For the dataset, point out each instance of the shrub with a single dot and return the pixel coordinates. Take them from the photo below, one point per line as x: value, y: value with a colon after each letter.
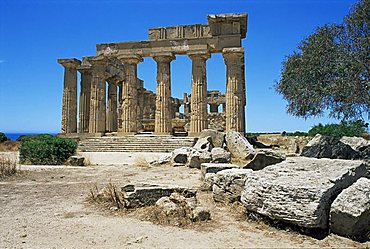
x: 46, y: 149
x: 351, y: 129
x: 24, y: 138
x: 297, y: 134
x: 3, y: 138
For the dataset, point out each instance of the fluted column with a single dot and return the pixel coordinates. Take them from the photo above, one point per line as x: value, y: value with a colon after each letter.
x: 163, y: 118
x: 199, y: 117
x: 69, y: 105
x: 98, y: 98
x: 119, y: 117
x: 112, y: 107
x: 235, y: 100
x: 129, y: 96
x: 85, y: 93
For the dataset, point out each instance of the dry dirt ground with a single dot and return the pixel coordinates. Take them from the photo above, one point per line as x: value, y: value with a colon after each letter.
x: 46, y: 207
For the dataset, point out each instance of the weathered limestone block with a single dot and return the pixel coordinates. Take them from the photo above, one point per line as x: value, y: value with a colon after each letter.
x: 208, y: 181
x: 300, y: 190
x: 215, y: 167
x: 355, y: 142
x: 218, y: 137
x: 328, y: 147
x: 228, y: 184
x: 264, y: 158
x: 161, y: 161
x: 180, y: 155
x: 220, y: 155
x: 350, y: 212
x: 201, y: 214
x: 197, y: 157
x: 76, y: 161
x: 141, y: 195
x: 204, y: 144
x: 239, y: 146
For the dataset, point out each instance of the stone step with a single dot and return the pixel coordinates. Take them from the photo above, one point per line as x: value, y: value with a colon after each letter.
x: 134, y: 144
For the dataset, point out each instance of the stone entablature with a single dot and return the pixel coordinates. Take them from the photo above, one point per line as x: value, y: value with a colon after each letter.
x: 123, y: 106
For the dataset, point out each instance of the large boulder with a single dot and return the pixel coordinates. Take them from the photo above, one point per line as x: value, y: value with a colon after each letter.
x: 350, y: 212
x: 204, y: 144
x: 229, y: 184
x: 239, y: 147
x: 180, y: 155
x: 355, y: 142
x: 300, y: 190
x: 220, y: 155
x: 264, y: 158
x: 218, y: 137
x: 197, y: 157
x: 328, y: 147
x: 215, y: 167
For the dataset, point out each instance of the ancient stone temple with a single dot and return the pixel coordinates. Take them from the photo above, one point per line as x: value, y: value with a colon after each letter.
x: 113, y: 100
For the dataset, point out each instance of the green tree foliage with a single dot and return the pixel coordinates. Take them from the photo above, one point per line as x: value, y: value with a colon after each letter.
x: 350, y: 129
x: 331, y: 70
x: 46, y: 149
x: 3, y: 138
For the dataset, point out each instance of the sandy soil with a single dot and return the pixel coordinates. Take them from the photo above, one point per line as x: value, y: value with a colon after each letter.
x: 46, y: 207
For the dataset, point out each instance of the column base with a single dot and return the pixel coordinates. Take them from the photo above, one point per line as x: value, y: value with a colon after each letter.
x: 122, y: 134
x: 194, y: 134
x: 162, y: 133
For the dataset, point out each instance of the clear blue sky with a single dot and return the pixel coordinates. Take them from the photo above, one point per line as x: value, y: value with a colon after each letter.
x: 34, y: 33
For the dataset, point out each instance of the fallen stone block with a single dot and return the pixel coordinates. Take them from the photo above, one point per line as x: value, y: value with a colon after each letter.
x: 180, y: 155
x: 350, y: 211
x: 239, y: 146
x: 228, y: 184
x: 215, y: 167
x: 196, y: 158
x: 300, y: 190
x: 208, y: 182
x: 141, y: 195
x: 355, y: 142
x: 218, y: 137
x: 264, y: 158
x: 204, y: 144
x: 329, y: 147
x: 220, y: 155
x: 76, y: 161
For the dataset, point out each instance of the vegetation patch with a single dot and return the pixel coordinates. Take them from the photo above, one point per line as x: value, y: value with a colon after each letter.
x: 46, y: 149
x: 350, y: 129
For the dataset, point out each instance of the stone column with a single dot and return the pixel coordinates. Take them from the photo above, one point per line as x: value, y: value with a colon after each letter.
x: 69, y: 105
x: 199, y: 117
x: 85, y: 93
x: 186, y: 105
x: 112, y: 121
x: 163, y: 117
x: 234, y: 89
x: 98, y: 98
x: 129, y: 95
x: 119, y: 118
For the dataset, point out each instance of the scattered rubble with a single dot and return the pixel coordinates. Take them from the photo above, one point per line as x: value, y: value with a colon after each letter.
x: 76, y: 161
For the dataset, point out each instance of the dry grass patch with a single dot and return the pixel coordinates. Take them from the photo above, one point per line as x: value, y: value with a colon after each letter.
x: 8, y: 167
x: 10, y: 146
x: 109, y: 196
x: 141, y: 163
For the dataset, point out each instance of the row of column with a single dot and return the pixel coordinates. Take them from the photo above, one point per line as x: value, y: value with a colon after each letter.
x: 93, y: 112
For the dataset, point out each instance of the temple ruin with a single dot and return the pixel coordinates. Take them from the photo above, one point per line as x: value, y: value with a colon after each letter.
x: 113, y: 100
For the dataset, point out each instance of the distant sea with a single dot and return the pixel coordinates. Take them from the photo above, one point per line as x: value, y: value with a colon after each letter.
x: 14, y: 136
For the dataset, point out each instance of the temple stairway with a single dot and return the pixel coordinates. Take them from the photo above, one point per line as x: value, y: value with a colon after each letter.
x: 137, y: 143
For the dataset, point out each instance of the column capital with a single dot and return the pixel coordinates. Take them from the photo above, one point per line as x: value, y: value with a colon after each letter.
x: 233, y: 53
x: 85, y: 69
x: 163, y: 57
x: 199, y: 55
x: 130, y: 59
x: 69, y: 62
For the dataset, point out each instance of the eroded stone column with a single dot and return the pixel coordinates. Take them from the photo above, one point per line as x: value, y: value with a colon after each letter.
x: 69, y: 102
x: 129, y: 95
x: 112, y: 121
x: 97, y: 122
x: 163, y: 117
x: 235, y: 96
x: 199, y: 117
x: 85, y: 93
